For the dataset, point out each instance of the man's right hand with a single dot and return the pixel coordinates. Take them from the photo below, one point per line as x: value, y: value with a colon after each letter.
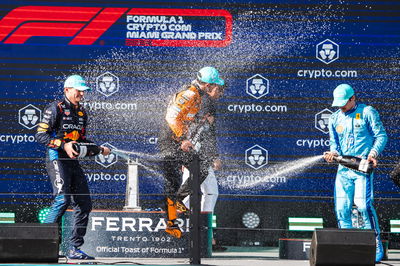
x: 70, y: 150
x: 217, y: 165
x: 328, y: 156
x: 186, y: 145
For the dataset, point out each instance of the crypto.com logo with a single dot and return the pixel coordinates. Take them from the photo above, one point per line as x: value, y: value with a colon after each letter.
x: 256, y: 157
x: 257, y: 86
x: 108, y: 160
x: 327, y: 51
x: 322, y: 120
x: 107, y: 84
x: 29, y: 116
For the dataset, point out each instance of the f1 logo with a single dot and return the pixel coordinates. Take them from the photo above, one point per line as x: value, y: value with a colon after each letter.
x: 85, y: 24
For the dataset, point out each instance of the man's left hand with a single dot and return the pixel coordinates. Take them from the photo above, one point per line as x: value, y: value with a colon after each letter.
x: 106, y: 151
x: 373, y: 160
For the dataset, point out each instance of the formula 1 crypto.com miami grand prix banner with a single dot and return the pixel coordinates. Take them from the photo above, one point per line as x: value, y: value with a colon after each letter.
x: 144, y: 26
x: 281, y: 60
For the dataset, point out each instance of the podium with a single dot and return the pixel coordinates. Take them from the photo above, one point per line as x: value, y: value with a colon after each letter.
x: 294, y: 249
x: 136, y: 234
x: 299, y: 249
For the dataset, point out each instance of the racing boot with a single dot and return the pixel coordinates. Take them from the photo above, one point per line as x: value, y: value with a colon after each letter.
x: 379, y: 249
x: 172, y: 225
x: 173, y: 229
x: 171, y: 209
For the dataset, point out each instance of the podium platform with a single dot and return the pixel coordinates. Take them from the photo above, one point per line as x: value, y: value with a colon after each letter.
x: 299, y: 248
x: 136, y: 234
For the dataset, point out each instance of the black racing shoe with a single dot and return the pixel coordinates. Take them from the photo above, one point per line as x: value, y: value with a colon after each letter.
x: 76, y: 254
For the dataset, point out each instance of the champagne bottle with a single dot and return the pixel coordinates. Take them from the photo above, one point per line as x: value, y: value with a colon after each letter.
x: 355, y: 163
x: 86, y: 149
x: 395, y: 175
x: 195, y: 138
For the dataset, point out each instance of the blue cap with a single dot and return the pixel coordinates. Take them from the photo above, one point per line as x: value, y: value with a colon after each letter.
x: 342, y: 94
x: 210, y: 75
x: 76, y: 82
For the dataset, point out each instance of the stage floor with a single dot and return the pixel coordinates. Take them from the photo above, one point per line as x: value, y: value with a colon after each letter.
x: 233, y: 256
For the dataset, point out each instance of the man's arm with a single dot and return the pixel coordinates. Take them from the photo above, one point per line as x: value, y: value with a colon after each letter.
x: 46, y: 130
x: 333, y: 140
x: 378, y: 132
x: 177, y: 111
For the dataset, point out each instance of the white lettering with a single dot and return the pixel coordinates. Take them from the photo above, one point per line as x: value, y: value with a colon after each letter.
x: 250, y: 179
x: 96, y: 221
x: 306, y: 245
x: 110, y: 106
x: 128, y: 222
x: 316, y: 73
x: 161, y: 225
x: 142, y: 35
x: 93, y: 177
x: 112, y: 224
x: 178, y: 35
x: 151, y: 19
x: 246, y: 108
x: 313, y: 143
x: 145, y: 223
x: 71, y: 126
x: 124, y: 224
x: 17, y: 138
x: 210, y: 35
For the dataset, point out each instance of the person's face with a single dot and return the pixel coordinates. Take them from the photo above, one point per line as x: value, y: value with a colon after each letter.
x: 215, y: 91
x: 73, y: 95
x: 349, y: 105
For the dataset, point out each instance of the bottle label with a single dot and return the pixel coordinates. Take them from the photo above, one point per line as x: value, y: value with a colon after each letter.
x: 82, y: 151
x: 197, y: 146
x: 363, y: 167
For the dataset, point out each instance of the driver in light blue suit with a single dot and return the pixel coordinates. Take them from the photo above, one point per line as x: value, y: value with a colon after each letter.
x: 356, y: 130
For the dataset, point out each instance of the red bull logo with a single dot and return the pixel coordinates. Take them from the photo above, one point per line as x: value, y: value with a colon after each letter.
x: 74, y: 135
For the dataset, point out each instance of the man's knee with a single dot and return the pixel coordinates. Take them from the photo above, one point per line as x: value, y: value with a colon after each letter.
x: 87, y: 207
x: 342, y: 213
x: 84, y: 204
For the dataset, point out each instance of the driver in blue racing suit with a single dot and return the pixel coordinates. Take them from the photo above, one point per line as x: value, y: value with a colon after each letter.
x: 356, y: 130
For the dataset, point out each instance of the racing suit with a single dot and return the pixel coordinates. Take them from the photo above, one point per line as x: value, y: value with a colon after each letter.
x: 358, y: 132
x: 208, y: 151
x: 63, y: 122
x: 181, y: 112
